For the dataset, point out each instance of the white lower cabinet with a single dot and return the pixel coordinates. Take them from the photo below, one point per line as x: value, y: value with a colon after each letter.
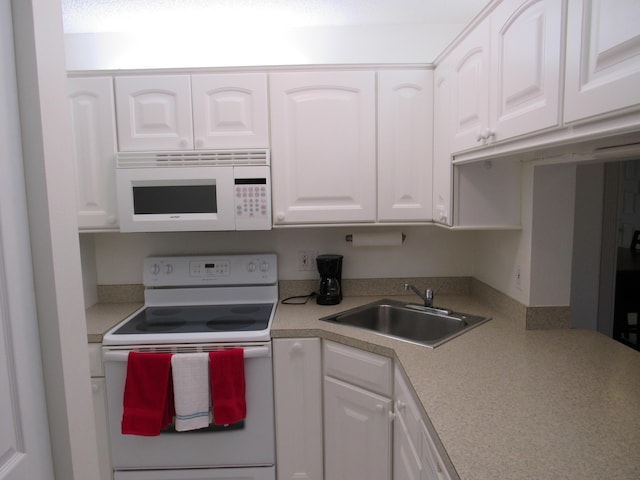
x: 99, y: 396
x: 357, y: 420
x: 415, y: 455
x: 297, y: 376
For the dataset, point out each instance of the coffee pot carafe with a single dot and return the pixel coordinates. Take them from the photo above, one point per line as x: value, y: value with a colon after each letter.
x: 330, y: 270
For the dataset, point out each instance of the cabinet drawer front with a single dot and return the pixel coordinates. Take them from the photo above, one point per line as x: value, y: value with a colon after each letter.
x: 364, y: 369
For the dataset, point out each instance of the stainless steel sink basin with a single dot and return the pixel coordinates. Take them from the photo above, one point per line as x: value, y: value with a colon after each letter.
x: 409, y: 322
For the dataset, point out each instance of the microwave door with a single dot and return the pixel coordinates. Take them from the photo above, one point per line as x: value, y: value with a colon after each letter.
x: 176, y: 199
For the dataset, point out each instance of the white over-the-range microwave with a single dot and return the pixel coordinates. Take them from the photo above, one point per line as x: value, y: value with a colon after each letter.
x: 194, y: 191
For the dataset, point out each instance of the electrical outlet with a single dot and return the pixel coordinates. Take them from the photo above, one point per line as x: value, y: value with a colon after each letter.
x: 307, y: 260
x: 518, y: 278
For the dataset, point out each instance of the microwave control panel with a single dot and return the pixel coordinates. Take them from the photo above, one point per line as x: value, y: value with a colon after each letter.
x: 252, y: 195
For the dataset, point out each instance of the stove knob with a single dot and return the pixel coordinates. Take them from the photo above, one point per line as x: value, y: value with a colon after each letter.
x: 155, y: 269
x: 264, y: 266
x: 168, y: 268
x: 251, y: 267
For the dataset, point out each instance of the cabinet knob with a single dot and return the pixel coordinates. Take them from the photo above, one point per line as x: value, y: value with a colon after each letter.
x: 111, y: 219
x: 184, y: 143
x: 480, y: 137
x: 280, y: 216
x: 296, y: 348
x: 94, y: 387
x: 199, y: 142
x: 400, y: 405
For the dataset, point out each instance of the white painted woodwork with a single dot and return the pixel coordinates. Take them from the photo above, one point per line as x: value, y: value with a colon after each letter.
x: 357, y: 432
x: 297, y: 376
x: 323, y: 146
x: 526, y: 46
x: 415, y: 454
x: 470, y: 97
x: 488, y: 194
x: 100, y: 416
x: 434, y: 467
x: 230, y: 111
x: 25, y: 450
x: 154, y: 112
x: 442, y: 128
x: 603, y: 58
x: 406, y: 460
x: 358, y: 367
x: 405, y: 145
x: 94, y: 142
x: 507, y: 74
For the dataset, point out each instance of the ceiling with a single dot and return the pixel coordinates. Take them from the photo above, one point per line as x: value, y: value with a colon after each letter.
x: 92, y: 16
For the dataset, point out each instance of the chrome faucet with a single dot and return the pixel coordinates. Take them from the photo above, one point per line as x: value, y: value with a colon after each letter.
x: 427, y: 296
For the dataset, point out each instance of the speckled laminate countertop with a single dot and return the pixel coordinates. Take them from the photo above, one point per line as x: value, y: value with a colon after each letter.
x: 507, y: 403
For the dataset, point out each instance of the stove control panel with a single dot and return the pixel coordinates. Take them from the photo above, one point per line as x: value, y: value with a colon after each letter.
x: 246, y: 269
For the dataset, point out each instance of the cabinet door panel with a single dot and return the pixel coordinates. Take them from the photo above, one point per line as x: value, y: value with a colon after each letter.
x: 442, y: 129
x: 297, y: 375
x: 154, y: 113
x: 405, y: 139
x: 357, y: 433
x: 470, y: 101
x: 94, y: 141
x: 525, y: 73
x: 230, y: 111
x: 603, y: 57
x: 323, y: 146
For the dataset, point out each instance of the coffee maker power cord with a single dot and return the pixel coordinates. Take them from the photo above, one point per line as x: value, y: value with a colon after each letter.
x: 296, y: 299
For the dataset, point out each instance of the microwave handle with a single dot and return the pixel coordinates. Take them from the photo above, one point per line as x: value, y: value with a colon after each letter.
x: 123, y: 355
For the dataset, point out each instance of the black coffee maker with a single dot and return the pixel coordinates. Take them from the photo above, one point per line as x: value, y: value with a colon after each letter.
x: 330, y: 270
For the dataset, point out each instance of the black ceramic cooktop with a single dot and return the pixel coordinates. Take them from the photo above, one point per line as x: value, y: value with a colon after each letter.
x: 198, y: 318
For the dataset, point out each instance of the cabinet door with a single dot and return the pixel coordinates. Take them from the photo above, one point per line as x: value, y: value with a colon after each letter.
x: 94, y: 142
x: 442, y: 130
x: 470, y: 97
x: 526, y: 42
x: 323, y: 147
x: 230, y: 111
x: 100, y: 415
x: 357, y: 433
x: 297, y: 376
x: 406, y: 462
x: 405, y: 145
x: 603, y: 57
x: 154, y: 113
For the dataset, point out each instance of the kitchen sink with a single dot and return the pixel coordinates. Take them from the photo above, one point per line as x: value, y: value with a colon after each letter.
x: 407, y: 321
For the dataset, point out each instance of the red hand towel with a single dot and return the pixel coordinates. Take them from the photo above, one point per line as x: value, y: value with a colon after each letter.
x: 226, y: 369
x: 147, y: 399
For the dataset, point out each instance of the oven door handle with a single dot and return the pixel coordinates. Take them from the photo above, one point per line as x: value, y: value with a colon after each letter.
x: 123, y: 355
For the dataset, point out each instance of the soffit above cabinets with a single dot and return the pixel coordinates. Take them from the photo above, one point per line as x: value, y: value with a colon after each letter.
x: 92, y: 16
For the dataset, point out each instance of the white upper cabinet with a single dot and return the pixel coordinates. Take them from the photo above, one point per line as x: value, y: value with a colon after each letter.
x: 154, y: 113
x: 323, y: 145
x: 470, y: 95
x: 525, y: 67
x: 507, y: 74
x: 94, y: 142
x: 603, y: 58
x: 405, y: 141
x: 442, y: 167
x: 230, y: 111
x: 183, y: 112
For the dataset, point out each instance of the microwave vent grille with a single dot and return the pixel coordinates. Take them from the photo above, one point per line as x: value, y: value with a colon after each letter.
x: 194, y: 158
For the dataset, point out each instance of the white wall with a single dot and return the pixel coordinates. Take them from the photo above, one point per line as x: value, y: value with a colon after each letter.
x: 416, y: 43
x: 587, y: 244
x: 552, y: 234
x: 427, y: 251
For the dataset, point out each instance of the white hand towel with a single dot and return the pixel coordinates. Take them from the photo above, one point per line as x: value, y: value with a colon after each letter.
x: 191, y: 390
